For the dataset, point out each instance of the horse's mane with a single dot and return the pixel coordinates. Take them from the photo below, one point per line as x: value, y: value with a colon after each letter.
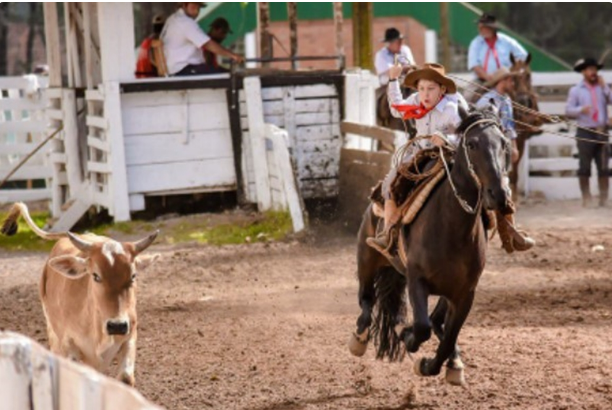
x: 477, y: 114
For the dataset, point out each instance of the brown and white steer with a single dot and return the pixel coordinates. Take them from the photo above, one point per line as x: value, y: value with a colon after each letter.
x: 88, y: 294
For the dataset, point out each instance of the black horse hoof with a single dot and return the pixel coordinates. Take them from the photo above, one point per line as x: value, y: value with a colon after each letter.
x: 422, y: 367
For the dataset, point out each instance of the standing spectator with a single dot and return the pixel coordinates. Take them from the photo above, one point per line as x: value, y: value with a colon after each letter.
x: 491, y: 50
x: 385, y: 57
x: 587, y: 102
x: 183, y: 41
x: 219, y: 29
x: 145, y: 67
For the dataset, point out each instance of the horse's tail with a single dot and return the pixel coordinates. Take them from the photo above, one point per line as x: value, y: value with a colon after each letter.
x: 390, y: 311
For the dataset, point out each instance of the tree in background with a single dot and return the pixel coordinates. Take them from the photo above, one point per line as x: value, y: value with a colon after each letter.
x: 568, y: 30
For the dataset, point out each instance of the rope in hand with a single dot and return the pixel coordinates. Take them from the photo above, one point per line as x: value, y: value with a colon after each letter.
x: 554, y: 119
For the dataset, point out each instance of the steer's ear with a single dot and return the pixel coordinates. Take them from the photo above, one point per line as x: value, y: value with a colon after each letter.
x: 144, y: 261
x: 70, y: 266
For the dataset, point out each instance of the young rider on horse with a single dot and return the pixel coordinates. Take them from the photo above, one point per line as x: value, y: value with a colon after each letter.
x: 435, y: 108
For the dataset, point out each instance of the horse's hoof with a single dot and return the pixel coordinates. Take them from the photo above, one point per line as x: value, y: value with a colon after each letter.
x: 358, y: 344
x: 417, y: 366
x: 455, y: 377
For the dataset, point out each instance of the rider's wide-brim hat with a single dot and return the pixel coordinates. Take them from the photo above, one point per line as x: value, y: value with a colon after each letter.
x: 432, y: 72
x: 498, y: 76
x: 587, y: 62
x: 392, y: 34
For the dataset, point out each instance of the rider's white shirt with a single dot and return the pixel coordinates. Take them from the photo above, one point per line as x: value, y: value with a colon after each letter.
x: 443, y: 118
x: 385, y: 59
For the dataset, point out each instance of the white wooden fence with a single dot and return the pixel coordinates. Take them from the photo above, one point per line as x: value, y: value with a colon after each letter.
x: 550, y: 164
x: 32, y: 378
x: 22, y: 128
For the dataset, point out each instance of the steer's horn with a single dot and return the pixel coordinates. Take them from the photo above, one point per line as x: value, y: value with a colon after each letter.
x: 81, y: 244
x: 143, y: 244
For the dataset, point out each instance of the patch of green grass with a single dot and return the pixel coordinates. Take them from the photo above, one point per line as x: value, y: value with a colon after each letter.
x: 268, y: 226
x: 25, y: 239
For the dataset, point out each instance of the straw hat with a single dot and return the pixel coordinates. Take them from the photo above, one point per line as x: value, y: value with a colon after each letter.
x: 498, y: 76
x: 432, y: 72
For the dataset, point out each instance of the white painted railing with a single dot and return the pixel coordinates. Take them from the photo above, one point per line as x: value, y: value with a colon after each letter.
x: 22, y: 128
x: 32, y: 378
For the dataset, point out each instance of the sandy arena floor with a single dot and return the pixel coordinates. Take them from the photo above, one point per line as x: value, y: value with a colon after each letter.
x: 265, y: 326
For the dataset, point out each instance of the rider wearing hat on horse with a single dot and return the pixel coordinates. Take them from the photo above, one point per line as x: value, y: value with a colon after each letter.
x: 491, y: 50
x: 435, y: 109
x: 386, y: 56
x: 500, y: 84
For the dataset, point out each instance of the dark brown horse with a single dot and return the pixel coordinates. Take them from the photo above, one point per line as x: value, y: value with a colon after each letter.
x: 445, y: 247
x: 524, y: 95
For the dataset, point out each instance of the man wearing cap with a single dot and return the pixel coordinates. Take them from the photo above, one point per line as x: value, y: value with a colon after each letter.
x: 491, y: 50
x: 144, y: 63
x: 587, y: 102
x: 385, y: 57
x: 219, y: 29
x: 183, y: 41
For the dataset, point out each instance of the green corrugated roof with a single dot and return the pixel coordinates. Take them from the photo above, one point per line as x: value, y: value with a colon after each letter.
x: 242, y: 18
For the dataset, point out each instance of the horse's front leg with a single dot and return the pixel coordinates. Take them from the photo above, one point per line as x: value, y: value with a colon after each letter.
x: 454, y: 370
x: 455, y: 318
x: 420, y: 331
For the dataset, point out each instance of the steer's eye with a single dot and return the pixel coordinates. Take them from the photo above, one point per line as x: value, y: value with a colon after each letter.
x: 97, y: 278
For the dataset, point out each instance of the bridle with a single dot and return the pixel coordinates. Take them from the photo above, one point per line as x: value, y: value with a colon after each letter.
x: 464, y: 204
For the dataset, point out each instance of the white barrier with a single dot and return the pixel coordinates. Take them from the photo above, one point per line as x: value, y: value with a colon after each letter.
x: 32, y: 378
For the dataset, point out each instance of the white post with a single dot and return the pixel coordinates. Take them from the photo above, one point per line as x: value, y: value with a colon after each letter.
x: 252, y: 89
x: 52, y: 37
x: 431, y: 46
x: 118, y: 185
x: 116, y: 25
x: 250, y: 48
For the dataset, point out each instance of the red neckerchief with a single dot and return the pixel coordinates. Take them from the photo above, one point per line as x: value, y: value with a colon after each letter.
x: 491, y: 49
x: 415, y: 111
x: 593, y: 90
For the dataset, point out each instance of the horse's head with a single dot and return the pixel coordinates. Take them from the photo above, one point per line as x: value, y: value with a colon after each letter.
x: 524, y: 95
x: 483, y: 150
x: 522, y: 72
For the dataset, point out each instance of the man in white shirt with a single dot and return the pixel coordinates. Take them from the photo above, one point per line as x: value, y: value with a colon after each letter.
x: 183, y: 40
x: 385, y: 57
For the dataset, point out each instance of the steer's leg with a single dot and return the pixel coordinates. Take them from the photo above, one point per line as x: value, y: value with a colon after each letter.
x: 126, y: 357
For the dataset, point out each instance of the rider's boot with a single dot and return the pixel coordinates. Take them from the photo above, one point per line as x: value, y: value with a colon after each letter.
x: 382, y: 241
x: 512, y: 240
x: 604, y: 183
x: 586, y: 191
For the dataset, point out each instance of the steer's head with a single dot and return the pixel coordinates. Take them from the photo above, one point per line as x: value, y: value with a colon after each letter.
x: 112, y: 268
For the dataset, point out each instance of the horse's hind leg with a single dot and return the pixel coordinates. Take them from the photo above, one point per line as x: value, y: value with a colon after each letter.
x: 454, y: 370
x: 455, y: 318
x: 420, y: 331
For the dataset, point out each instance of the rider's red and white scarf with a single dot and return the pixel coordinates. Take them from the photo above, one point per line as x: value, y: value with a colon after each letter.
x: 415, y: 111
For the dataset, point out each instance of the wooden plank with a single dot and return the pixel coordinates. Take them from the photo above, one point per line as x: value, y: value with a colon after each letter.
x: 290, y: 121
x: 164, y: 120
x: 318, y: 132
x: 267, y: 94
x: 99, y: 167
x: 97, y: 122
x: 7, y: 83
x: 25, y: 104
x: 371, y: 131
x: 94, y: 95
x: 97, y: 143
x: 175, y: 97
x: 181, y: 175
x: 163, y: 148
x: 315, y: 91
x: 19, y: 149
x: 71, y: 140
x: 54, y: 114
x: 137, y: 202
x: 252, y: 86
x: 24, y: 195
x: 53, y: 93
x: 23, y: 127
x: 319, y: 188
x: 52, y: 40
x: 360, y: 171
x: 116, y: 34
x: 28, y: 172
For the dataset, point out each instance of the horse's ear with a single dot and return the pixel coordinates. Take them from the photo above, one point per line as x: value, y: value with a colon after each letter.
x: 463, y: 112
x: 512, y: 60
x: 528, y: 59
x: 492, y: 107
x: 492, y: 102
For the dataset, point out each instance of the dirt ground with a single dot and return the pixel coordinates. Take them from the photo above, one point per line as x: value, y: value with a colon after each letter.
x: 265, y: 326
